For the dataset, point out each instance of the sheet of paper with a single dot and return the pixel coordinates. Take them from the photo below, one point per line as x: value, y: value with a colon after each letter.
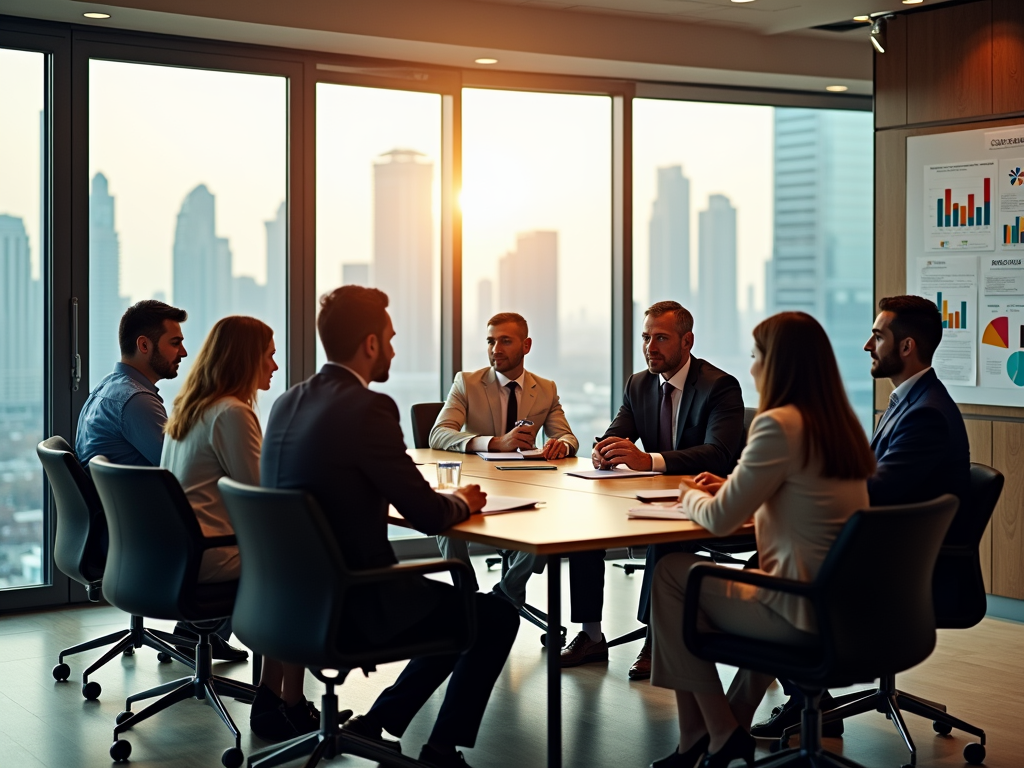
x: 1010, y: 192
x: 498, y: 504
x: 669, y: 495
x: 959, y: 214
x: 952, y: 283
x: 658, y: 512
x: 501, y: 456
x: 1003, y: 275
x: 611, y: 474
x: 1002, y: 343
x: 535, y: 453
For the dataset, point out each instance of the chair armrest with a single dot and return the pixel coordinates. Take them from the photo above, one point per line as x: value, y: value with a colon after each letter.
x: 212, y: 542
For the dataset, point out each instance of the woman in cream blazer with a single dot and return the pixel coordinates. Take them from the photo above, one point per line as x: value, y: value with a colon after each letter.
x: 801, y: 476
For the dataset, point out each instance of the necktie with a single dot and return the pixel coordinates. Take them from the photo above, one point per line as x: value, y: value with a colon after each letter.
x: 894, y: 400
x: 512, y: 411
x: 665, y: 418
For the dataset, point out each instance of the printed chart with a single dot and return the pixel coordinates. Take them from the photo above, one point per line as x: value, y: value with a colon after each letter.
x: 1002, y: 344
x: 958, y: 202
x: 1011, y: 204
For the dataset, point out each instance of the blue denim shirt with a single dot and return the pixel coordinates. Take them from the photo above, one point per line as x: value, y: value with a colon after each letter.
x: 123, y: 419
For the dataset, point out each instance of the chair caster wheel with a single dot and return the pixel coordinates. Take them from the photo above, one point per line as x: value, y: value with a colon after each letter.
x: 129, y: 651
x: 232, y: 758
x: 120, y: 750
x: 974, y: 754
x: 122, y: 716
x: 784, y: 742
x: 544, y: 639
x: 163, y: 658
x: 91, y: 691
x: 943, y: 729
x: 61, y: 672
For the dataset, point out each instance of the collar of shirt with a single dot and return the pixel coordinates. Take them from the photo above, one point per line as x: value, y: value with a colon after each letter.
x: 904, y: 389
x: 136, y: 374
x: 679, y: 380
x: 504, y: 380
x: 361, y: 379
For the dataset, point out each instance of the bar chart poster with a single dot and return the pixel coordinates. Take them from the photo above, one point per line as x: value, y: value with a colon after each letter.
x: 959, y: 213
x: 1010, y: 195
x: 952, y: 283
x: 1002, y: 344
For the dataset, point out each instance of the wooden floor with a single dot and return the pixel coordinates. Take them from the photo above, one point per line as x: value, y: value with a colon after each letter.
x: 608, y: 721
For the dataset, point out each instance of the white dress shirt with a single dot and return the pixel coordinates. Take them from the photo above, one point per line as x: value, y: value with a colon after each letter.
x: 678, y: 381
x: 901, y: 393
x: 482, y: 442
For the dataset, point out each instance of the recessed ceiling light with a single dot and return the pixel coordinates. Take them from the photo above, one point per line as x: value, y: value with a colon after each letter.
x: 486, y: 61
x: 743, y: 1
x: 96, y: 15
x: 862, y: 18
x: 912, y: 2
x: 836, y: 88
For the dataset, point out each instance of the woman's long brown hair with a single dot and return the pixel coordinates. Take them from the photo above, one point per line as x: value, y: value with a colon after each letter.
x: 800, y: 370
x: 229, y: 363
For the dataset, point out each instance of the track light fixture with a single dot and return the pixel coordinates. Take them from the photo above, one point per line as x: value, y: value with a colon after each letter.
x: 878, y: 29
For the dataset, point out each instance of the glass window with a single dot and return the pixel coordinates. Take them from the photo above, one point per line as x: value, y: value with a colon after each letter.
x: 742, y: 211
x: 188, y: 183
x: 22, y: 246
x: 378, y: 214
x: 536, y: 238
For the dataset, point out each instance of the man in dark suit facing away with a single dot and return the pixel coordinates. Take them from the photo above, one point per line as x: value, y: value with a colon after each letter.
x: 689, y: 415
x: 920, y: 442
x: 339, y: 440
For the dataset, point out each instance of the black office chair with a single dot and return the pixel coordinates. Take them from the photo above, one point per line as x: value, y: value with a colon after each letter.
x: 423, y: 417
x: 156, y: 547
x: 960, y: 603
x: 297, y: 613
x: 878, y: 572
x: 80, y: 551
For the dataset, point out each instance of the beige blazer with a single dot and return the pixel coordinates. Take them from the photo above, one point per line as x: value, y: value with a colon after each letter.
x: 474, y: 408
x: 797, y: 512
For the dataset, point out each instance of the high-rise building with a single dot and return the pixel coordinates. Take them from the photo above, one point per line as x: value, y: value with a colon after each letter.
x: 717, y: 319
x: 250, y: 298
x: 669, y: 229
x: 203, y: 284
x: 276, y: 291
x: 403, y: 254
x: 357, y: 273
x: 822, y: 256
x: 484, y: 305
x: 528, y: 284
x: 21, y: 321
x: 106, y: 302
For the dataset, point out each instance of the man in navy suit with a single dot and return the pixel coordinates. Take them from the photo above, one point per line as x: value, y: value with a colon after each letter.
x: 920, y: 442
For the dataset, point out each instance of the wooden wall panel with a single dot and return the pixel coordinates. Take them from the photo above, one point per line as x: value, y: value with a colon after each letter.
x: 1007, y: 538
x: 951, y: 51
x: 891, y: 76
x: 979, y: 433
x: 1007, y: 56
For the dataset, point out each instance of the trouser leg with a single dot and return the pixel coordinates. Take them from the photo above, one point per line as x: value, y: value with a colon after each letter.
x: 520, y: 569
x: 586, y: 586
x: 457, y: 549
x: 654, y: 554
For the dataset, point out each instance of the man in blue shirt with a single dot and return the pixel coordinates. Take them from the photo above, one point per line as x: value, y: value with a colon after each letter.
x: 124, y: 416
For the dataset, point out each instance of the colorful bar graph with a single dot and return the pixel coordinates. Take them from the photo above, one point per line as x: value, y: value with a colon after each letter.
x: 957, y: 319
x: 966, y: 213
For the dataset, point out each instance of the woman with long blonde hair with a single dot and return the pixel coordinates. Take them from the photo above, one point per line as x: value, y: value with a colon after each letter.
x: 212, y: 433
x: 802, y: 475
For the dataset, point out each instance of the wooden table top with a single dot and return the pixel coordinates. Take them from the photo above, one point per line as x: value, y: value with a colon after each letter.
x: 577, y: 515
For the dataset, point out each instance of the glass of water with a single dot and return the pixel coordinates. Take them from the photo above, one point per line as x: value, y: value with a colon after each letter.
x: 448, y: 474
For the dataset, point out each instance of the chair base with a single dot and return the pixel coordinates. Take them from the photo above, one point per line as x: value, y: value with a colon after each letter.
x: 892, y: 702
x: 810, y: 752
x: 819, y: 759
x: 330, y: 741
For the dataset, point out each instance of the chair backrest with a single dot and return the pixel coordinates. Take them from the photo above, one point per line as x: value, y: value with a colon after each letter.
x: 155, y: 539
x: 294, y: 584
x: 80, y: 547
x: 748, y: 419
x: 958, y: 586
x: 873, y: 594
x: 423, y: 417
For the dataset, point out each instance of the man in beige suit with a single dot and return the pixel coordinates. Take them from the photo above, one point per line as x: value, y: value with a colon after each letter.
x: 483, y: 413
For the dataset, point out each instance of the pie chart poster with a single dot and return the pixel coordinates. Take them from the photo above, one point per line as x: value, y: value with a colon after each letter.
x: 1002, y: 344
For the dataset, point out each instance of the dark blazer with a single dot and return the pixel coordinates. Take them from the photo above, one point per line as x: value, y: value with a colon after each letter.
x: 342, y: 442
x: 922, y: 452
x: 710, y: 432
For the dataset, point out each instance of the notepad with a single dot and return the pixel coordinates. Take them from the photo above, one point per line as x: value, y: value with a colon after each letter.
x: 649, y: 496
x: 536, y: 453
x: 611, y: 474
x: 658, y: 512
x: 497, y: 504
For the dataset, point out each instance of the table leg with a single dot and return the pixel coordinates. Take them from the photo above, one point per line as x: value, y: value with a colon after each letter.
x: 554, y: 645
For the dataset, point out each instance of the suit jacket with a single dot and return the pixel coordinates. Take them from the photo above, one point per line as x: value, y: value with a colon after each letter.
x: 474, y: 408
x: 342, y: 443
x: 922, y: 452
x: 709, y: 434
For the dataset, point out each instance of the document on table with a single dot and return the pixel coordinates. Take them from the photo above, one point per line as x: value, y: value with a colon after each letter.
x: 610, y: 474
x: 498, y: 504
x: 649, y: 496
x: 659, y: 512
x: 536, y: 453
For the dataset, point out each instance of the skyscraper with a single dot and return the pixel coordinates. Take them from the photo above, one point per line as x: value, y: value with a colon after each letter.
x: 106, y: 304
x: 21, y: 320
x: 276, y: 290
x: 403, y: 254
x: 202, y: 265
x: 717, y: 320
x: 528, y: 284
x: 484, y: 305
x: 822, y: 255
x: 669, y: 230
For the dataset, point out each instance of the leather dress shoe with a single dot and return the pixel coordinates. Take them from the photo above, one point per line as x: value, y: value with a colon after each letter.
x: 789, y: 714
x: 438, y: 759
x: 641, y: 669
x: 687, y: 759
x: 582, y: 650
x: 221, y: 651
x: 740, y: 746
x: 360, y: 726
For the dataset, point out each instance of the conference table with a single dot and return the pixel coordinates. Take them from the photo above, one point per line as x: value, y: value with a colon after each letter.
x: 574, y: 515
